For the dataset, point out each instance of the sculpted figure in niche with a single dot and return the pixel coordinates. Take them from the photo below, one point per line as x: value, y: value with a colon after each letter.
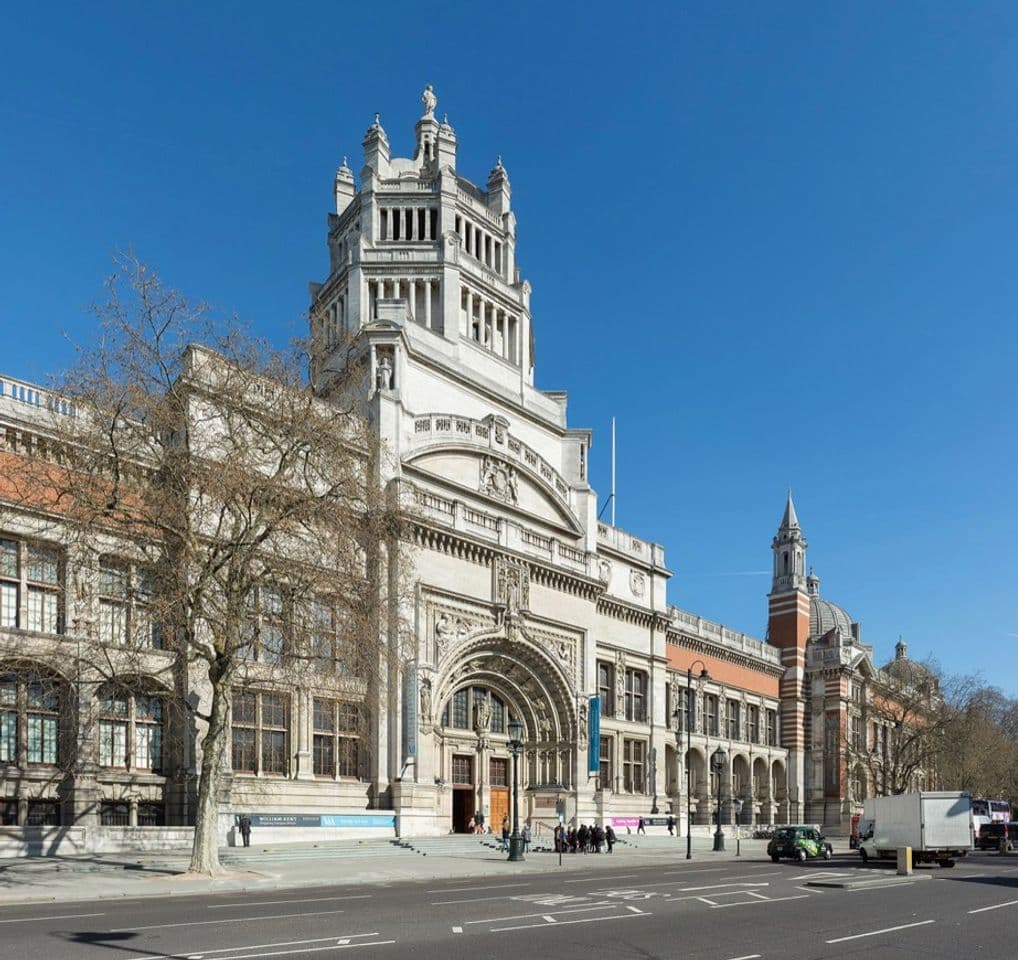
x: 444, y: 628
x: 543, y: 720
x: 426, y: 700
x: 384, y: 376
x: 583, y: 722
x: 482, y: 716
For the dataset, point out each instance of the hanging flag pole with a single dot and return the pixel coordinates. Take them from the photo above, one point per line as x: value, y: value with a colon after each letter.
x: 611, y: 496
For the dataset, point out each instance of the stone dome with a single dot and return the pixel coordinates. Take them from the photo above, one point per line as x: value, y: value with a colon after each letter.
x: 824, y: 616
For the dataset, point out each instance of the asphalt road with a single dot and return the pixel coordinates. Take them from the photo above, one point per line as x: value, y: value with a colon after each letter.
x: 742, y: 910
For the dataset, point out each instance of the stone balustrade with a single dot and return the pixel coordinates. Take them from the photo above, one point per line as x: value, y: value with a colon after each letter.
x: 692, y: 625
x: 22, y: 396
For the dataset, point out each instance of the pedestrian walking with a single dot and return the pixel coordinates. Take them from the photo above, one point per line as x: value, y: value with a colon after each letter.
x: 245, y: 829
x: 609, y: 837
x: 526, y: 838
x: 671, y: 825
x: 583, y: 837
x: 640, y: 827
x: 505, y: 834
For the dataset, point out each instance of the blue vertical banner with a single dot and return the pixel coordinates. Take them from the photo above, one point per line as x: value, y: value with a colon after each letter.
x: 410, y: 711
x: 594, y: 735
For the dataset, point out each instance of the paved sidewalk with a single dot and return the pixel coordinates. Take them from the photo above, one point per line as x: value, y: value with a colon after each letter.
x: 159, y: 875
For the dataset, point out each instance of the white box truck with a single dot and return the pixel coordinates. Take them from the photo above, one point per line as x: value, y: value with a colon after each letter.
x: 937, y: 825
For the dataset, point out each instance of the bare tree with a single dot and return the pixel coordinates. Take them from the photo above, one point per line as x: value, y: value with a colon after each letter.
x: 909, y: 713
x: 251, y: 504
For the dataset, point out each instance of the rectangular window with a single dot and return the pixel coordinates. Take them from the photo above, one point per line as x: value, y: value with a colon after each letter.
x: 606, y: 688
x: 753, y: 723
x: 634, y: 755
x: 636, y: 695
x: 114, y: 814
x: 858, y: 737
x: 336, y: 748
x: 711, y: 708
x: 43, y: 813
x: 125, y: 597
x: 733, y: 717
x: 31, y: 571
x: 463, y: 770
x: 606, y: 771
x: 8, y: 736
x: 461, y: 709
x: 244, y: 729
x: 274, y: 733
x: 498, y: 772
x: 772, y: 728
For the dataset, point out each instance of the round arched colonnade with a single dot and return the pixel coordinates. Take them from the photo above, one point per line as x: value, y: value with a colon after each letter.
x: 758, y: 780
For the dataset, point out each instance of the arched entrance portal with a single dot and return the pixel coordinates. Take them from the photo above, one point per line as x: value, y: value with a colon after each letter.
x: 483, y: 684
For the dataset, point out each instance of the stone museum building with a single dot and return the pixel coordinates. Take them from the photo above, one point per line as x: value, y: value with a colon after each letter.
x: 524, y: 604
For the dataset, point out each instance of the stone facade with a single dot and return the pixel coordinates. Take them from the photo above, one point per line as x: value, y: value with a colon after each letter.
x: 524, y: 605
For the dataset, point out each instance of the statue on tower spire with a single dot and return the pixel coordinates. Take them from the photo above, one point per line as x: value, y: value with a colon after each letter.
x: 430, y: 101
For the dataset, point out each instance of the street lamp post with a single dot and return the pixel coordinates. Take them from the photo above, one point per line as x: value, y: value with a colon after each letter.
x: 688, y: 723
x: 516, y: 748
x: 717, y: 761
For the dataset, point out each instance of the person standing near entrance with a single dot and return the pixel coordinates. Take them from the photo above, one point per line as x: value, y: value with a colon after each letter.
x: 245, y: 829
x: 505, y: 834
x: 526, y: 838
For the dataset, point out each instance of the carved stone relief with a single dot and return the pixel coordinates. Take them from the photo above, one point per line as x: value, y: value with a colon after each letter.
x: 637, y: 582
x: 499, y: 480
x: 512, y: 586
x: 604, y: 570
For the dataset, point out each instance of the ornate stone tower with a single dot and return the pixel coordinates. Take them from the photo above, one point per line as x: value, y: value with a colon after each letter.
x: 788, y: 629
x: 420, y: 245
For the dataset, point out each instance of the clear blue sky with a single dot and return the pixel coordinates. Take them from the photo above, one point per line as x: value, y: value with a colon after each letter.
x: 777, y: 241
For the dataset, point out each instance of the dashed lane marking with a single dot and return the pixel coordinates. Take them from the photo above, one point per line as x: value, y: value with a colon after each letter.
x: 618, y: 876
x: 996, y: 906
x: 874, y: 933
x: 63, y: 916
x: 748, y: 956
x: 457, y: 929
x: 200, y: 954
x: 272, y: 903
x: 203, y: 923
x: 497, y: 886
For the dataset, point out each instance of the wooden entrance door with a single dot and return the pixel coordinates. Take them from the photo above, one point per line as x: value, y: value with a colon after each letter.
x: 498, y: 777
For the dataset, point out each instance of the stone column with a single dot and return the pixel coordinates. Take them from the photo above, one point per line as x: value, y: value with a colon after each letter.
x: 427, y: 304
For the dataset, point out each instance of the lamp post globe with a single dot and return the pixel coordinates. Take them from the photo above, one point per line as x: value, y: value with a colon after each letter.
x: 717, y: 762
x: 515, y: 728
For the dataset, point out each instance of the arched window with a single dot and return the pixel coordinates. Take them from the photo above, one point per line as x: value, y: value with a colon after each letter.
x: 467, y: 705
x: 130, y: 730
x: 30, y: 711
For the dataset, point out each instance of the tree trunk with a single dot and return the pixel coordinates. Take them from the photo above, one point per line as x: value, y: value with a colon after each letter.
x: 205, y: 852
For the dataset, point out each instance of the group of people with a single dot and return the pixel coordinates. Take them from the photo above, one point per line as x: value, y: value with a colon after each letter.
x: 584, y: 839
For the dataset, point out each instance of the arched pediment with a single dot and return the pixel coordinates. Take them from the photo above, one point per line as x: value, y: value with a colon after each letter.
x: 495, y: 478
x: 437, y: 433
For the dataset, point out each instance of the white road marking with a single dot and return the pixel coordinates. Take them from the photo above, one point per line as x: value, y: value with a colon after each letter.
x: 204, y: 923
x: 634, y: 909
x: 749, y: 956
x: 64, y: 916
x: 272, y: 903
x: 559, y: 913
x: 563, y: 923
x: 251, y: 946
x: 457, y: 929
x: 549, y: 919
x: 874, y: 933
x: 442, y: 903
x: 756, y: 903
x: 891, y: 882
x: 497, y: 886
x: 618, y: 876
x: 996, y: 906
